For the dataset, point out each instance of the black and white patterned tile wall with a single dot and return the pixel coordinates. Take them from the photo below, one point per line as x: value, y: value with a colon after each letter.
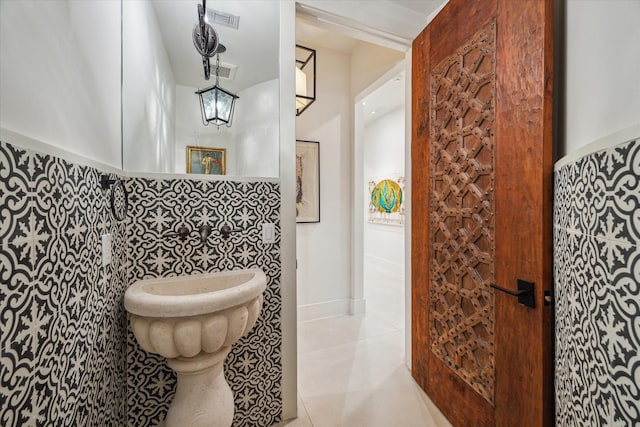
x: 67, y: 357
x: 597, y: 286
x: 63, y: 330
x: 158, y: 207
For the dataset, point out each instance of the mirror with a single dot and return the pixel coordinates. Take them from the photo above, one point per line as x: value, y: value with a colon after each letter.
x: 162, y: 70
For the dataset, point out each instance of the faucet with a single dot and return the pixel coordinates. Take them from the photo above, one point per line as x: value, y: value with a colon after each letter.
x: 182, y: 233
x: 205, y: 231
x: 225, y: 230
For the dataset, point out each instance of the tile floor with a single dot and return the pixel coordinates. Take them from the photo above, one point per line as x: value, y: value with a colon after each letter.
x: 351, y: 371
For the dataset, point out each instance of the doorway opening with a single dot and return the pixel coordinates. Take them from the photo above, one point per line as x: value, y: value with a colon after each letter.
x: 330, y: 252
x: 359, y: 111
x: 384, y: 194
x: 351, y: 280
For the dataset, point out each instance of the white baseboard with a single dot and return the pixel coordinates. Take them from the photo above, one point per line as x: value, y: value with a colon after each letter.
x: 323, y: 309
x: 357, y: 306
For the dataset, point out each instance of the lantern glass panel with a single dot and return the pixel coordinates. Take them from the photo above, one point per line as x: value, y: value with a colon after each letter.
x: 217, y: 104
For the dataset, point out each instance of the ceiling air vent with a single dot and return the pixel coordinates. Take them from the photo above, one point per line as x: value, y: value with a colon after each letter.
x: 222, y: 18
x: 227, y: 71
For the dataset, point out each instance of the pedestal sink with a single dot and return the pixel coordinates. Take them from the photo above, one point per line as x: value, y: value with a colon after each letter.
x: 193, y: 321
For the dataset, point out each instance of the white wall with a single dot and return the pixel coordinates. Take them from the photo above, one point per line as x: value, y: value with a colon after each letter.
x: 384, y: 157
x: 602, y: 80
x: 256, y: 127
x: 251, y: 141
x: 323, y: 249
x: 287, y: 161
x: 148, y: 107
x: 60, y: 75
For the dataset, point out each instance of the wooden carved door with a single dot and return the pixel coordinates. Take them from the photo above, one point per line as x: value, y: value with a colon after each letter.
x: 481, y: 211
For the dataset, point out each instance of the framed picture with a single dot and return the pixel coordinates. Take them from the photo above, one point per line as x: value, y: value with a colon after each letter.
x: 206, y: 160
x: 386, y: 200
x: 307, y: 181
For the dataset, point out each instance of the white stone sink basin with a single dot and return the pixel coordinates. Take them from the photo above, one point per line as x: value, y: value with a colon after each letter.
x: 193, y: 321
x: 183, y: 316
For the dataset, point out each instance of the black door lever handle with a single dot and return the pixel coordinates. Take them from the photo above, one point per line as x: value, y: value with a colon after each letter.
x: 524, y: 293
x: 508, y: 291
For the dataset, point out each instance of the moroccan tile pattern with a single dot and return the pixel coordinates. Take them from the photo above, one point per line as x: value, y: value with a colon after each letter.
x: 64, y: 340
x: 63, y: 333
x: 462, y: 209
x: 597, y: 288
x: 158, y: 207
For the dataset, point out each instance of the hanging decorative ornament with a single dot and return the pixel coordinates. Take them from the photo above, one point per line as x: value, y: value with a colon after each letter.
x: 205, y: 38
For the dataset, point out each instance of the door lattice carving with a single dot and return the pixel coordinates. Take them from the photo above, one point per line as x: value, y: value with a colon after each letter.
x: 461, y: 203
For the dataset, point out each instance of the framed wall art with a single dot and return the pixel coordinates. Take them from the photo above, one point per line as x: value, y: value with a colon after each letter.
x: 386, y: 200
x: 307, y: 181
x: 206, y: 160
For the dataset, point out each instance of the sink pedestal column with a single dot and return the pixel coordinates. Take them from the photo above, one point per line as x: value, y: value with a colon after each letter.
x: 203, y: 398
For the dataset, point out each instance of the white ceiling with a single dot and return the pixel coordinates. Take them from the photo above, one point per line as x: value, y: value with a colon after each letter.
x: 385, y: 99
x: 394, y: 22
x: 253, y: 47
x: 424, y: 7
x: 317, y: 36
